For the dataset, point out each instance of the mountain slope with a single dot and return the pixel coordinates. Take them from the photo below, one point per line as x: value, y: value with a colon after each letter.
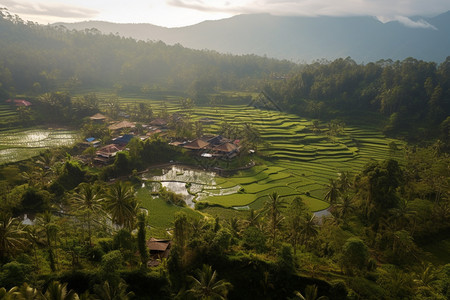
x: 299, y: 38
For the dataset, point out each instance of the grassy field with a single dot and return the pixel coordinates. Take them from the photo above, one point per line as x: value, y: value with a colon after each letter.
x: 296, y: 160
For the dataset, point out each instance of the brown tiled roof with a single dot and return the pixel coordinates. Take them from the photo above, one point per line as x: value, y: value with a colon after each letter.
x: 122, y: 124
x: 158, y: 122
x: 109, y: 150
x: 227, y: 147
x: 157, y: 245
x: 98, y: 116
x: 196, y: 144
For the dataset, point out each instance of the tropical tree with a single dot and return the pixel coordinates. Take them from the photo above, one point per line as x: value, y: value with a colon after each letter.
x: 50, y: 229
x: 58, y: 291
x: 344, y: 181
x: 332, y: 191
x: 106, y: 291
x: 309, y: 229
x: 26, y: 292
x: 344, y: 208
x: 121, y: 204
x: 272, y: 208
x: 309, y: 294
x: 8, y: 295
x: 88, y: 202
x: 294, y: 219
x: 206, y: 286
x: 12, y: 236
x: 142, y: 246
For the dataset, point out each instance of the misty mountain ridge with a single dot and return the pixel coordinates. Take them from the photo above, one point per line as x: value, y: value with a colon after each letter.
x: 300, y: 39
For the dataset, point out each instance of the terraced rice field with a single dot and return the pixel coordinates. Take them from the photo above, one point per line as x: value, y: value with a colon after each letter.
x: 299, y: 161
x: 19, y: 144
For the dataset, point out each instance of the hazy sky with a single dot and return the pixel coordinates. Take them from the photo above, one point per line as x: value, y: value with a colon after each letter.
x: 175, y: 13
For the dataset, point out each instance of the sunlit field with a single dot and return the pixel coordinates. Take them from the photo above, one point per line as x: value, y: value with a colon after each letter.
x: 296, y: 160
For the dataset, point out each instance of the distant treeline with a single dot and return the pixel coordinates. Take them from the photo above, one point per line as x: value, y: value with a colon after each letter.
x: 413, y: 95
x: 44, y: 58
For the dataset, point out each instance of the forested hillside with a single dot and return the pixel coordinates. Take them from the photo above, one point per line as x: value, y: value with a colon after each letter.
x: 43, y: 58
x: 410, y: 93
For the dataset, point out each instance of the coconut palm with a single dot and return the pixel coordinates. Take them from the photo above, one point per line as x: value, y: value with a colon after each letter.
x: 12, y: 236
x: 7, y: 295
x: 344, y: 208
x: 344, y: 181
x: 273, y: 207
x: 309, y: 228
x: 58, y: 291
x: 332, y: 191
x: 121, y: 204
x: 206, y: 285
x: 26, y: 292
x: 107, y: 291
x: 310, y: 294
x: 50, y: 230
x: 88, y: 201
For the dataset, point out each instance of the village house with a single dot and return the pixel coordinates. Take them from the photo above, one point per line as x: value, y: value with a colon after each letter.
x: 159, y: 249
x: 215, y: 146
x: 19, y: 102
x: 121, y: 125
x: 98, y: 118
x: 107, y: 153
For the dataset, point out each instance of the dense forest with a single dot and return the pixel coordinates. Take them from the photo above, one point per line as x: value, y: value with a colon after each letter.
x: 410, y: 93
x: 90, y: 233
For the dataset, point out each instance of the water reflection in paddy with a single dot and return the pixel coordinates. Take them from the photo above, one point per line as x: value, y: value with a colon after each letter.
x: 176, y: 178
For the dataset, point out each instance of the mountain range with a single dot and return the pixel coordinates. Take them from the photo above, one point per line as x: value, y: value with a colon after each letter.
x: 299, y: 39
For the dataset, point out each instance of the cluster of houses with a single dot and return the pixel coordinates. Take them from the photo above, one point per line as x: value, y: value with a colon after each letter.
x: 206, y: 146
x: 106, y: 154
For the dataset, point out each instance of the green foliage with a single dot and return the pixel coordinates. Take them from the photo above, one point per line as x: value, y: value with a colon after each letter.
x: 285, y: 258
x: 355, y: 255
x: 14, y: 274
x: 111, y: 264
x: 254, y: 238
x: 141, y: 239
x: 72, y: 175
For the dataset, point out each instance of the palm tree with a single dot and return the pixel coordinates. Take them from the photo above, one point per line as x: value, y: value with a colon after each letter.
x: 106, y: 291
x: 58, y: 291
x: 403, y: 215
x: 344, y: 181
x: 26, y: 292
x: 121, y: 204
x: 88, y: 201
x: 12, y: 236
x: 50, y: 229
x: 332, y: 191
x: 344, y: 208
x: 7, y: 295
x: 310, y: 294
x: 273, y: 208
x: 309, y: 228
x: 206, y: 286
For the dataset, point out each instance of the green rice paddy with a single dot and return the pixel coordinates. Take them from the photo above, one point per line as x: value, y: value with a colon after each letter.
x: 297, y: 161
x: 23, y: 143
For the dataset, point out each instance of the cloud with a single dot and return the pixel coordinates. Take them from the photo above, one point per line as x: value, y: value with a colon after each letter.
x: 52, y: 10
x: 414, y: 24
x: 399, y: 10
